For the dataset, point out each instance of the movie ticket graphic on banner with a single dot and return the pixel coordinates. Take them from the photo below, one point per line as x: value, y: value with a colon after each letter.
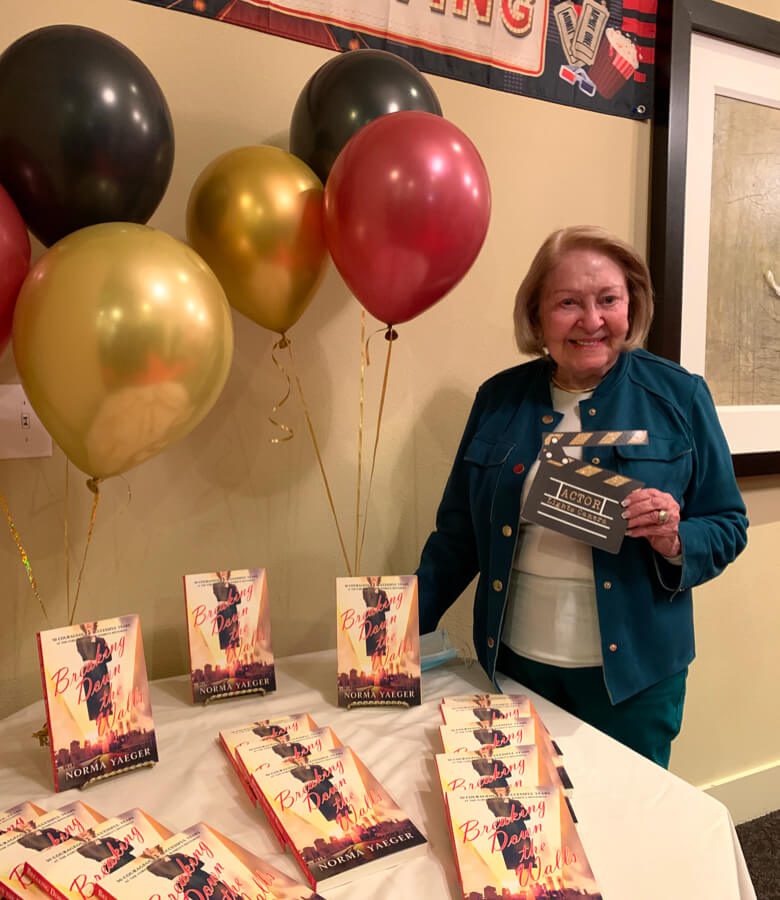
x: 594, y: 54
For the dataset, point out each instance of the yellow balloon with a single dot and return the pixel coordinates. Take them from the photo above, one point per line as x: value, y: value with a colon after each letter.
x: 255, y: 216
x: 123, y: 339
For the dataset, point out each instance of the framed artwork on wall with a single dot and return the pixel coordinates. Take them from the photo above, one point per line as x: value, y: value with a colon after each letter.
x: 715, y: 215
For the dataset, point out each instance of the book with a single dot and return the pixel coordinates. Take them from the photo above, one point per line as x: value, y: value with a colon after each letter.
x: 14, y: 817
x: 471, y: 737
x: 486, y: 709
x: 378, y: 641
x: 275, y: 752
x: 518, y: 843
x: 97, y: 700
x: 201, y: 863
x: 229, y: 634
x: 339, y: 820
x: 30, y: 837
x: 72, y: 869
x: 511, y: 767
x: 233, y: 738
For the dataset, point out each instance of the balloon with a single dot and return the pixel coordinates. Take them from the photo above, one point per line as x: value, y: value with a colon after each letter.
x: 347, y: 93
x: 255, y: 216
x: 14, y: 262
x: 407, y: 207
x: 85, y: 132
x: 123, y: 339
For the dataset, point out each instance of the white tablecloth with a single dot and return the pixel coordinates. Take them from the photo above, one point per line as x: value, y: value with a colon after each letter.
x: 647, y: 833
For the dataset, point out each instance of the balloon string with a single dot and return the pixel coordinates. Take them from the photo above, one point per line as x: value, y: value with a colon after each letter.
x: 313, y: 436
x: 288, y: 433
x: 390, y: 335
x: 22, y: 554
x: 67, y: 537
x: 94, y: 485
x: 363, y: 364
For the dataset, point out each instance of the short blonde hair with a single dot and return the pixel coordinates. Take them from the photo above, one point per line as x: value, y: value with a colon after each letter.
x: 528, y: 334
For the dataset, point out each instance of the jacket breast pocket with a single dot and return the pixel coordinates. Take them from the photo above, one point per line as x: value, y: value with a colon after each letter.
x: 665, y: 463
x: 484, y: 459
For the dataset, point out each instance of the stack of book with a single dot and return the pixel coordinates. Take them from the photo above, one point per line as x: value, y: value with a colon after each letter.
x: 76, y: 852
x: 508, y: 802
x: 324, y: 805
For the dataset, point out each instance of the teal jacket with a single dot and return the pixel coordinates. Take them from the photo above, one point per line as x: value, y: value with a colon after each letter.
x: 644, y: 602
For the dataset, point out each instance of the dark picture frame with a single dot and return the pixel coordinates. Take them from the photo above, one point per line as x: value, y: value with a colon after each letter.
x: 677, y: 21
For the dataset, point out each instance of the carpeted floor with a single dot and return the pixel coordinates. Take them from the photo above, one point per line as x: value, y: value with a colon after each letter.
x: 760, y: 841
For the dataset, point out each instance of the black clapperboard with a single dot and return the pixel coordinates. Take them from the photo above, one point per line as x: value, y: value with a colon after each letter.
x: 577, y: 498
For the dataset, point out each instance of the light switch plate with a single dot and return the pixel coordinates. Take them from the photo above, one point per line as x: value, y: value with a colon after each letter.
x: 21, y: 432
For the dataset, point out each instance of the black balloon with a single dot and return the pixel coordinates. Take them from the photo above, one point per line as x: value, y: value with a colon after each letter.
x: 347, y: 93
x: 85, y: 133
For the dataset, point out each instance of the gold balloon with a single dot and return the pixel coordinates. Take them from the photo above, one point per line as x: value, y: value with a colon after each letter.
x: 123, y: 339
x: 255, y: 216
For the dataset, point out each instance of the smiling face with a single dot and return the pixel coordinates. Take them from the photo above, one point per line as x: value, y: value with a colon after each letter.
x: 583, y: 314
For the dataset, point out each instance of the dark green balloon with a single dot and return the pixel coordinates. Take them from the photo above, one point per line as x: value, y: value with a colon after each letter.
x: 85, y: 133
x: 347, y: 93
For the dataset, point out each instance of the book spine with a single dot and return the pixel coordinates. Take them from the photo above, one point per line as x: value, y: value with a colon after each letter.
x: 103, y: 894
x: 43, y: 884
x: 7, y: 893
x: 189, y: 639
x: 48, y: 715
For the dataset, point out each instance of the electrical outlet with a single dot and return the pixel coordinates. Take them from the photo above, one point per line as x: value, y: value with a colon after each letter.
x: 21, y: 432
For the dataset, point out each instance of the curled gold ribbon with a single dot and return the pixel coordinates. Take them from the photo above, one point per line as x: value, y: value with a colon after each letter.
x: 94, y: 485
x: 22, y: 554
x: 317, y: 453
x: 282, y: 344
x: 391, y: 335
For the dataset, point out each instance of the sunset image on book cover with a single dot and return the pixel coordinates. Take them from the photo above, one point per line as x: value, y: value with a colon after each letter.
x: 97, y: 700
x: 229, y: 632
x: 378, y: 641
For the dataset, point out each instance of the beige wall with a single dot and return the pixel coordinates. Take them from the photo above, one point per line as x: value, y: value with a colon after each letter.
x: 225, y: 497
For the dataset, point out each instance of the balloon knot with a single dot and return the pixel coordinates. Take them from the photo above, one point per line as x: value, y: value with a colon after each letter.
x: 94, y: 485
x: 391, y: 334
x: 283, y: 342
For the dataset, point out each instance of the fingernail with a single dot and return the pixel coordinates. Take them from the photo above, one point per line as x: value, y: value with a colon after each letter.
x: 624, y: 502
x: 624, y: 515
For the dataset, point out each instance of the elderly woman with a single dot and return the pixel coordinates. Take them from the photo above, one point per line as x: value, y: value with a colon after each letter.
x: 608, y: 637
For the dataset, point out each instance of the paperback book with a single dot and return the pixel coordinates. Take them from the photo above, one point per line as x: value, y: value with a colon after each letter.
x: 339, y: 820
x: 486, y: 709
x: 229, y: 632
x: 201, y: 863
x: 519, y: 843
x: 378, y: 641
x: 71, y: 870
x: 30, y: 837
x: 511, y: 767
x: 255, y: 732
x: 97, y: 700
x: 471, y: 737
x: 12, y: 819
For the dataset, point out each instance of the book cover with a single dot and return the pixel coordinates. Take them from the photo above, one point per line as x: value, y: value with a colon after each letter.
x: 378, y: 641
x: 518, y: 843
x: 97, y: 700
x: 486, y: 709
x: 201, y: 863
x: 229, y: 633
x: 233, y: 738
x: 71, y: 870
x: 471, y: 737
x: 14, y: 817
x: 510, y: 767
x: 30, y: 837
x: 339, y: 820
x: 275, y: 752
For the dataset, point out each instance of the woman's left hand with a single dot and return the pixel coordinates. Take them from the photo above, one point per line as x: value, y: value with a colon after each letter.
x: 654, y: 515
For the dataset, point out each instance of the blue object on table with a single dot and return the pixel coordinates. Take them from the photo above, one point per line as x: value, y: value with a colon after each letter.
x: 436, y: 649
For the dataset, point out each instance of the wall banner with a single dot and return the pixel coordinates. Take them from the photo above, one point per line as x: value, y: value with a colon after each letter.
x: 595, y: 54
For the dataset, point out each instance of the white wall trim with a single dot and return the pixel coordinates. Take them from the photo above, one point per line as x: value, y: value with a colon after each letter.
x: 748, y: 794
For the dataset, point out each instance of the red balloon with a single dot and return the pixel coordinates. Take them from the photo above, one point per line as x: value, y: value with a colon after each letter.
x: 407, y: 206
x: 14, y: 262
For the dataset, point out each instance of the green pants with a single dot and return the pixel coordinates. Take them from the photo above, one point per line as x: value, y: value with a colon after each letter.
x: 648, y: 722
